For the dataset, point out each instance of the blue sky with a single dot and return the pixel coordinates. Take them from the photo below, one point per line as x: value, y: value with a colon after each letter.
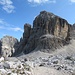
x: 15, y: 13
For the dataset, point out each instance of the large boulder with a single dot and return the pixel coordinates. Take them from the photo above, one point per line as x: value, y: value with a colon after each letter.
x: 8, y: 46
x: 49, y: 32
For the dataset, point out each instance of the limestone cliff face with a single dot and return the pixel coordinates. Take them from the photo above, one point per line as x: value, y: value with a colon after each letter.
x: 72, y: 32
x: 49, y: 32
x: 61, y: 28
x: 51, y: 24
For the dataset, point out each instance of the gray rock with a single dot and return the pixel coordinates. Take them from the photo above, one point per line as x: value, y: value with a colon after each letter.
x: 72, y: 32
x: 6, y: 66
x: 8, y: 46
x: 1, y: 66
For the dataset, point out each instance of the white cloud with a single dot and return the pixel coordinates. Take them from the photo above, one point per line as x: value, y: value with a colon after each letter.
x: 3, y: 23
x: 6, y: 26
x: 73, y: 1
x: 7, y: 5
x: 16, y: 29
x: 41, y: 1
x: 38, y: 1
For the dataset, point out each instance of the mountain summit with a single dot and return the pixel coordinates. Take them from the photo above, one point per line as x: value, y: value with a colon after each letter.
x: 49, y: 33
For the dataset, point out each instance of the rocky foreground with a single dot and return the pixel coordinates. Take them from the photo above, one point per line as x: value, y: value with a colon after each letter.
x: 60, y: 62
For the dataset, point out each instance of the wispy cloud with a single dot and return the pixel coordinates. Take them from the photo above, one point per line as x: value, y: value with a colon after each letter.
x: 16, y: 29
x: 41, y: 1
x: 73, y: 1
x: 7, y: 5
x: 1, y: 27
x: 6, y: 26
x: 3, y: 23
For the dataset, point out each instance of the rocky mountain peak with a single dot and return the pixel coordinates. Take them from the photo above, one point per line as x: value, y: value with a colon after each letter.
x: 46, y: 14
x: 49, y: 33
x: 51, y: 24
x: 27, y: 28
x: 45, y: 25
